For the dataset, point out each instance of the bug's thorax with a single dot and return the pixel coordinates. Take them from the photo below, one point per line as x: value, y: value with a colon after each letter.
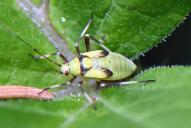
x: 74, y: 66
x: 79, y: 65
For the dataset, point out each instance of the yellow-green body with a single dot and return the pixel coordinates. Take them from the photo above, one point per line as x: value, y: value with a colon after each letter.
x: 98, y: 66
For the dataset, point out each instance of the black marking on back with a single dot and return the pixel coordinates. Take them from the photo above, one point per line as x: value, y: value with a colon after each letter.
x: 104, y: 53
x: 107, y: 71
x: 83, y: 69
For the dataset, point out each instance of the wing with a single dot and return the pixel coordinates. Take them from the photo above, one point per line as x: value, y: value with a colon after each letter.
x: 99, y: 73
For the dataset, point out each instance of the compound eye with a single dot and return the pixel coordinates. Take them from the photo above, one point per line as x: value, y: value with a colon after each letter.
x: 66, y: 73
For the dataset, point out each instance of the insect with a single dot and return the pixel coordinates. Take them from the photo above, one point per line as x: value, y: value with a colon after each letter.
x: 105, y: 66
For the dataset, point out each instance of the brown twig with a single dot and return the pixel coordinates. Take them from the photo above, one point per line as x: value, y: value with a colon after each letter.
x: 17, y: 92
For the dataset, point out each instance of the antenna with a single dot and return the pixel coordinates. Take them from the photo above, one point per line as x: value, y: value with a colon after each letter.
x: 11, y: 32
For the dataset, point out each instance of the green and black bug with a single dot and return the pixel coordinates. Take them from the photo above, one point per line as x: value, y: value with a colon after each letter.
x: 105, y: 66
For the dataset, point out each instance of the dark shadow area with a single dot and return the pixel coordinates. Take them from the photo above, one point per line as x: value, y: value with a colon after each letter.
x: 176, y: 50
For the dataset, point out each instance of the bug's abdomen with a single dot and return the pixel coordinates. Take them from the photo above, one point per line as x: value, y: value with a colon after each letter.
x: 120, y: 66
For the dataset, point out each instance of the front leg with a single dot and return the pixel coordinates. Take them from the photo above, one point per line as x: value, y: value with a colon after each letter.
x: 58, y: 53
x: 57, y: 85
x: 100, y: 43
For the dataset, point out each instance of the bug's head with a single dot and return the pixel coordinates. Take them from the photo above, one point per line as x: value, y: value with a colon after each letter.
x: 65, y: 69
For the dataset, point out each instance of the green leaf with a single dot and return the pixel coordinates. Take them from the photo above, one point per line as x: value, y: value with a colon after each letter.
x: 131, y: 27
x: 164, y: 103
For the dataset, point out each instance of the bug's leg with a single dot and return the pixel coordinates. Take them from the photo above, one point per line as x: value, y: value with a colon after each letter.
x: 87, y: 42
x: 57, y: 86
x: 53, y: 86
x: 61, y: 54
x: 58, y: 53
x: 44, y: 56
x: 85, y: 93
x: 100, y: 42
x: 82, y: 34
x: 89, y: 99
x: 98, y: 87
x: 124, y: 83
